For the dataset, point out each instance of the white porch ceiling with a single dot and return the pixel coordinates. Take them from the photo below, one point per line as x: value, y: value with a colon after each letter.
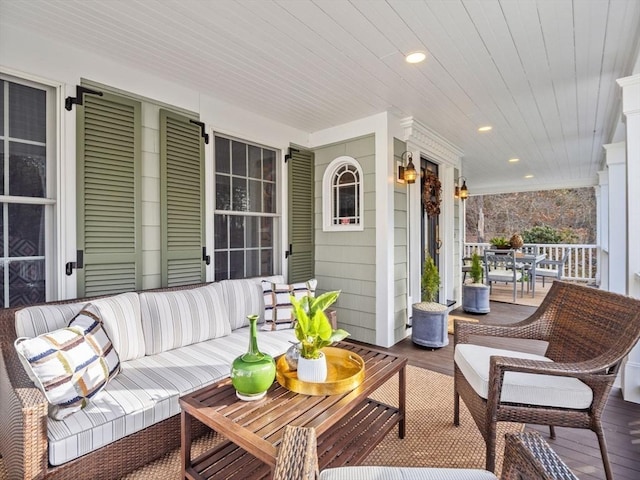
x: 542, y: 73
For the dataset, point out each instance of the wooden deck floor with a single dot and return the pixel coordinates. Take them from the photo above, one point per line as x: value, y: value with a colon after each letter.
x: 577, y: 447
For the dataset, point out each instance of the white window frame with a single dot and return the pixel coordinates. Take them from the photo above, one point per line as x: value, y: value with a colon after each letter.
x: 328, y: 185
x: 49, y: 202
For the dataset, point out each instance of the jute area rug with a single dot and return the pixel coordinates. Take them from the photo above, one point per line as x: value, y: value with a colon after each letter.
x: 431, y: 440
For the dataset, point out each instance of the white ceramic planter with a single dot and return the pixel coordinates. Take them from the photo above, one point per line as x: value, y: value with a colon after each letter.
x: 313, y: 370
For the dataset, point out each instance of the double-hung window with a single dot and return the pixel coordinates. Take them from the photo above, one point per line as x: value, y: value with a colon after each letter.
x: 246, y: 213
x: 26, y: 191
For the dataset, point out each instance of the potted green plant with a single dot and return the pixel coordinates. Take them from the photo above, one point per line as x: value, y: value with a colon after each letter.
x: 314, y: 332
x: 475, y: 296
x: 501, y: 243
x: 429, y: 319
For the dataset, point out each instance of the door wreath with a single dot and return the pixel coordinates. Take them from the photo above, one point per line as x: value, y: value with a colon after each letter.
x: 431, y: 189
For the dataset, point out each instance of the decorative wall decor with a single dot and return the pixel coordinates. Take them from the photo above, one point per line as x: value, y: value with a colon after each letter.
x: 431, y: 193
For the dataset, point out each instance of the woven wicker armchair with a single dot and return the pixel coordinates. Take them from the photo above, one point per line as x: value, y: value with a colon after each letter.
x: 589, y: 333
x: 527, y: 457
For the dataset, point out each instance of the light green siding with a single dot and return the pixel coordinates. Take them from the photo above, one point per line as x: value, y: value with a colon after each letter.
x: 346, y: 260
x: 400, y: 250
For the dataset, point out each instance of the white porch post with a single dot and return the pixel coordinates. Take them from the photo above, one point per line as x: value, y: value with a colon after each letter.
x: 631, y: 109
x: 617, y: 217
x: 602, y: 230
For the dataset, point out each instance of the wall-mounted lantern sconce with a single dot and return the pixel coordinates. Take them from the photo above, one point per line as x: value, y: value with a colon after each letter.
x: 407, y: 174
x: 461, y: 192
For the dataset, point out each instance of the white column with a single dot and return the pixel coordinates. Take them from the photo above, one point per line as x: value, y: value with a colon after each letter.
x: 631, y: 109
x: 616, y: 163
x: 602, y: 229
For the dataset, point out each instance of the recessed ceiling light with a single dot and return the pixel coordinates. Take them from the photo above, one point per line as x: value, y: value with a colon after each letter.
x: 415, y: 57
x: 486, y: 128
x: 528, y: 176
x: 514, y: 160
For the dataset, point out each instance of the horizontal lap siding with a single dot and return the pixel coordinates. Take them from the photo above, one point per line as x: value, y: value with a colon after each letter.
x: 346, y: 260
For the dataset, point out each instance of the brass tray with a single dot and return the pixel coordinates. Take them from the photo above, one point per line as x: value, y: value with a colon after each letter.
x: 345, y: 371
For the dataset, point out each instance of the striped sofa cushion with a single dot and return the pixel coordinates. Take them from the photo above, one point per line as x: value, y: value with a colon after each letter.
x: 243, y: 297
x: 70, y: 365
x: 121, y: 318
x: 405, y: 473
x: 147, y: 391
x: 33, y: 321
x: 175, y: 319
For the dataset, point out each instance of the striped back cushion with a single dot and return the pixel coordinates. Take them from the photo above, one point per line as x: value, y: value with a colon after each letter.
x: 70, y: 365
x: 36, y: 320
x: 121, y: 318
x: 278, y: 311
x: 174, y: 319
x: 243, y: 297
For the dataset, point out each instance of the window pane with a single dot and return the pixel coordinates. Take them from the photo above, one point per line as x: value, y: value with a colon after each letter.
x: 236, y: 231
x: 255, y: 162
x: 221, y: 237
x: 27, y: 170
x: 2, y: 168
x: 27, y: 113
x: 266, y: 261
x: 253, y: 263
x: 253, y: 232
x: 347, y: 206
x: 255, y: 196
x: 236, y: 264
x: 223, y: 192
x: 240, y: 201
x: 269, y: 200
x: 269, y: 165
x: 221, y: 266
x: 2, y: 116
x: 239, y: 159
x: 2, y: 252
x: 223, y: 155
x: 26, y: 230
x: 3, y: 282
x: 266, y: 232
x: 26, y: 282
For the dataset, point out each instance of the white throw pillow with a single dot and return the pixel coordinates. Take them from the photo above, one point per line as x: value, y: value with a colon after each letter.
x: 70, y: 365
x: 278, y: 311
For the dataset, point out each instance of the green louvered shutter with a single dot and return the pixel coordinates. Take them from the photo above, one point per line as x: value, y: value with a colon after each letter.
x: 301, y: 216
x: 181, y: 200
x: 108, y: 195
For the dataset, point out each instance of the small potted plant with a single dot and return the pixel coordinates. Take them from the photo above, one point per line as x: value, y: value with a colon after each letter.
x: 500, y: 243
x: 475, y: 296
x: 314, y: 332
x: 429, y: 320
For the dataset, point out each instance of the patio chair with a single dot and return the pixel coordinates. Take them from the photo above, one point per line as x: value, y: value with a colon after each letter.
x: 589, y: 333
x: 501, y: 266
x: 552, y: 268
x: 527, y: 457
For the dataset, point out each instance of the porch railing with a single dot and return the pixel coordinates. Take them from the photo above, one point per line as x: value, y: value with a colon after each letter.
x: 581, y: 265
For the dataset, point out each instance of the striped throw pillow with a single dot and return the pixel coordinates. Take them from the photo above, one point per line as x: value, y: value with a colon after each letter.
x: 70, y: 365
x: 278, y: 311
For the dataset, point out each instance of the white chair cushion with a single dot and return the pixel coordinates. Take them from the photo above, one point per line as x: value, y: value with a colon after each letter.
x: 147, y: 390
x: 525, y: 388
x: 404, y: 473
x: 243, y: 297
x: 500, y: 275
x: 175, y: 319
x: 547, y: 272
x: 121, y: 319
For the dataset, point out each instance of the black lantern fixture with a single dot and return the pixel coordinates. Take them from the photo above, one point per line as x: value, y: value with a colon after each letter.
x: 407, y: 174
x: 461, y: 192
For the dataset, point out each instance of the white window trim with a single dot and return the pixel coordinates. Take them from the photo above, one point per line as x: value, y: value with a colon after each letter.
x: 327, y: 196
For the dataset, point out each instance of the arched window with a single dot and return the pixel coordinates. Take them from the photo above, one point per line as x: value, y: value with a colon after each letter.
x: 343, y: 195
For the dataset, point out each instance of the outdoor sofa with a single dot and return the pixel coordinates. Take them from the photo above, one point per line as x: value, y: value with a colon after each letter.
x: 170, y: 342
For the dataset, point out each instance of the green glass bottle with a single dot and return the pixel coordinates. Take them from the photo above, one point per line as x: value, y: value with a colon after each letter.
x: 253, y: 372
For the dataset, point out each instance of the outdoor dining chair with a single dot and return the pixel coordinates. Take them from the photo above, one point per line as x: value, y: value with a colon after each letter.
x: 501, y: 266
x: 589, y: 333
x: 552, y: 268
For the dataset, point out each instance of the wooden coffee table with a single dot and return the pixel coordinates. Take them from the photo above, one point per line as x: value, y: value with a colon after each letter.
x: 348, y: 426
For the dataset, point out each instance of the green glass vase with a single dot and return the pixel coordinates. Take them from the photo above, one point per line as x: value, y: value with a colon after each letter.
x: 253, y: 372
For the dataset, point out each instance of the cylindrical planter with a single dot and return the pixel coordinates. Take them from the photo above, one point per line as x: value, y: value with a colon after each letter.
x: 475, y: 298
x: 253, y: 373
x: 429, y: 325
x: 312, y: 370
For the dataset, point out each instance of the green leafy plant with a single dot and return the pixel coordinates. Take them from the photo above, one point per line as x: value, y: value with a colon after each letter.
x: 313, y: 329
x: 476, y: 268
x: 499, y: 242
x: 430, y: 280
